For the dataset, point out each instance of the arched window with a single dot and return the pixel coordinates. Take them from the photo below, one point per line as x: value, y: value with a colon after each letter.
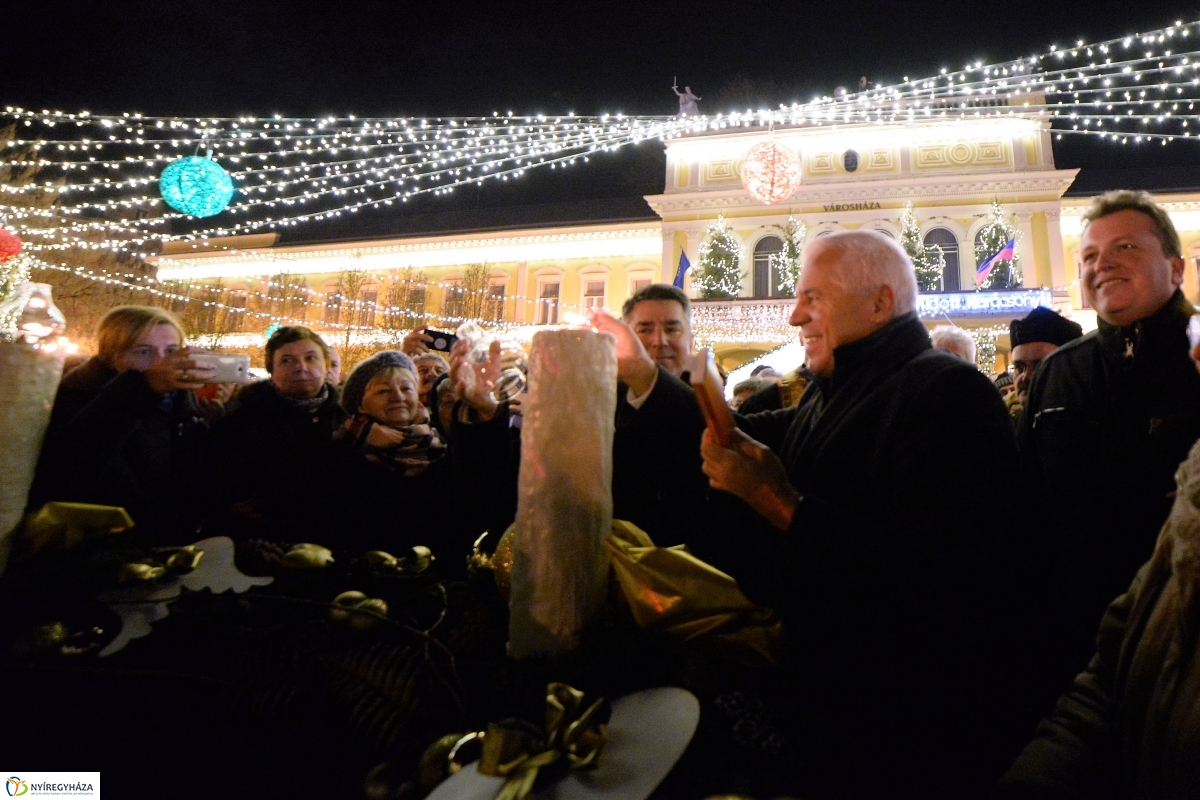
x: 765, y: 279
x: 947, y: 242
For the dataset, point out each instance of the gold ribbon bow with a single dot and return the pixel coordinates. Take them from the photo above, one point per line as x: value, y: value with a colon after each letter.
x: 516, y: 750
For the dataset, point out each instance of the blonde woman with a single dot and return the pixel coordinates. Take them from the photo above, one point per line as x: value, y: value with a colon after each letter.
x: 125, y: 429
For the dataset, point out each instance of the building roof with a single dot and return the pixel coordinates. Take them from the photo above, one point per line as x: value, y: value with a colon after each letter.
x: 544, y: 215
x: 1151, y: 179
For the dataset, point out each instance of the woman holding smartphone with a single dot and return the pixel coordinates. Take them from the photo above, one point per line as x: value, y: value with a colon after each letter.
x: 126, y: 429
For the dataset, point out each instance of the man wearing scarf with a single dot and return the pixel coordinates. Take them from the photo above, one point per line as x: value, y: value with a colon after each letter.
x: 273, y: 445
x: 875, y: 510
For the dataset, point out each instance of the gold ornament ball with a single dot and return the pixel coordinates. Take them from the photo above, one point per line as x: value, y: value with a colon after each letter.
x: 502, y: 563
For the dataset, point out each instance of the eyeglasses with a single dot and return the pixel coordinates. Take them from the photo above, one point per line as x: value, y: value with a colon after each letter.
x: 1017, y: 367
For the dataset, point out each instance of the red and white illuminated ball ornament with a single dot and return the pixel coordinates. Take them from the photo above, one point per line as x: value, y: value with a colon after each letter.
x: 771, y: 172
x: 10, y: 245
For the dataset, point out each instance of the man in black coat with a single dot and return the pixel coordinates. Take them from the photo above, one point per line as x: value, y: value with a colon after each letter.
x: 668, y: 497
x: 1111, y: 415
x: 1032, y: 338
x: 875, y: 503
x: 275, y: 443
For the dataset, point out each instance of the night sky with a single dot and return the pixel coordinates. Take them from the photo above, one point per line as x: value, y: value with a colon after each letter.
x: 392, y: 57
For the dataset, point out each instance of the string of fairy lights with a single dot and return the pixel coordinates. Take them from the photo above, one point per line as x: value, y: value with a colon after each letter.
x: 218, y: 298
x: 79, y: 181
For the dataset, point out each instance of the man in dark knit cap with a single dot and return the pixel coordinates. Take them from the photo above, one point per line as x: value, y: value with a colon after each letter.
x: 1039, y: 334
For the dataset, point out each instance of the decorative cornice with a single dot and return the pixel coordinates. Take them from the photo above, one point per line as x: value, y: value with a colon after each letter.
x: 1045, y: 182
x: 633, y: 232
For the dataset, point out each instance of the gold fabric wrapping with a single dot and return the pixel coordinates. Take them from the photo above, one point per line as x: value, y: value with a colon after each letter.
x: 670, y: 590
x: 67, y: 524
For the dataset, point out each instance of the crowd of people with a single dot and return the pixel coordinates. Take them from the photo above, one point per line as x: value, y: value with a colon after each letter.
x: 948, y: 553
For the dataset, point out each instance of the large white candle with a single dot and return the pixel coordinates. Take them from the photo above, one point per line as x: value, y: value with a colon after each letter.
x: 28, y: 380
x: 564, y: 506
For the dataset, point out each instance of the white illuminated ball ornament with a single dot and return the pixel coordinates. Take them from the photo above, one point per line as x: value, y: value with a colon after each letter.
x: 196, y: 185
x: 771, y: 172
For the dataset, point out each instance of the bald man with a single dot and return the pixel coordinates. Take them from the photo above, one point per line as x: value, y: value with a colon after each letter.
x: 893, y: 571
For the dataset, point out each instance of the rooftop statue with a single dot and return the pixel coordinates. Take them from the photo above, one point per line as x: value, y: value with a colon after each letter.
x: 687, y: 101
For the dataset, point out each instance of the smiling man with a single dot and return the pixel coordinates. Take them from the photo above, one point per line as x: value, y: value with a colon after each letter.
x: 1111, y: 415
x: 657, y: 482
x: 660, y: 316
x: 892, y: 583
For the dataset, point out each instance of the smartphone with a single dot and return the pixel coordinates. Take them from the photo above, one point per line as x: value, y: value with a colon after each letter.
x: 710, y: 394
x: 442, y: 341
x: 229, y: 368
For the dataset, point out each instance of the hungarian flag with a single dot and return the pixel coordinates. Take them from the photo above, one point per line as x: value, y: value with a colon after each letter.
x: 985, y: 268
x: 684, y: 266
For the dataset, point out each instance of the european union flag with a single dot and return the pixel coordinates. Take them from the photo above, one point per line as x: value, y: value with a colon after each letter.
x: 684, y: 266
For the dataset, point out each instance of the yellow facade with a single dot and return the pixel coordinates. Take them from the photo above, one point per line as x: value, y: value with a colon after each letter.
x: 853, y: 177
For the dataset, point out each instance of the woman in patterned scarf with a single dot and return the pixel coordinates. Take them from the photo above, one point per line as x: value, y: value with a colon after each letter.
x: 401, y: 483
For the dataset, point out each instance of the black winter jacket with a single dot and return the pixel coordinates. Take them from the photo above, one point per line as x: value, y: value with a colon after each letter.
x: 462, y: 494
x: 1129, y: 728
x: 1109, y: 418
x: 900, y: 580
x: 271, y: 464
x: 113, y: 441
x: 657, y: 481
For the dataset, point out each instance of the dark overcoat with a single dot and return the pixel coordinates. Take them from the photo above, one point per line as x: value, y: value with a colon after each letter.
x: 113, y: 441
x: 1109, y: 418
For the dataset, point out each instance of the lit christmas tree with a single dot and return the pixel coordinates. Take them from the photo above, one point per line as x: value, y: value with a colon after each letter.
x: 719, y: 271
x: 991, y: 240
x: 787, y: 261
x: 928, y: 265
x: 985, y: 350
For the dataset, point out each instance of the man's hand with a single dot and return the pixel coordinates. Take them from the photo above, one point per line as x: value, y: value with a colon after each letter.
x: 473, y: 382
x: 178, y: 371
x: 749, y: 470
x: 416, y: 342
x: 634, y: 365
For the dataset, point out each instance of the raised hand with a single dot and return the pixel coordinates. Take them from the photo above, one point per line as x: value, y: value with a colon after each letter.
x: 416, y: 342
x: 473, y: 382
x: 634, y: 365
x: 178, y: 371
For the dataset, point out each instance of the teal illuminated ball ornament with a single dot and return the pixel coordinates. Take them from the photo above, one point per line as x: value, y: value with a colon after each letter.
x: 196, y: 185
